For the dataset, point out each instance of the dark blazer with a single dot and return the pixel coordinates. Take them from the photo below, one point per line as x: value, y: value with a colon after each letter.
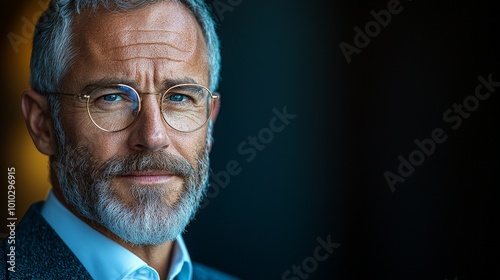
x: 41, y: 254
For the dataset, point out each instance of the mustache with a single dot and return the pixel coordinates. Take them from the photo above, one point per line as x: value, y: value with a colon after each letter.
x: 144, y: 161
x: 123, y: 165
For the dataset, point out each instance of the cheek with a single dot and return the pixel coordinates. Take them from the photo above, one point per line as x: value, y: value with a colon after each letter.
x: 190, y: 145
x: 75, y: 122
x: 81, y: 132
x: 103, y: 147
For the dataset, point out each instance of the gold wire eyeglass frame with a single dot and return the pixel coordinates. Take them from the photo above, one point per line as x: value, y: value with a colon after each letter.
x: 213, y: 97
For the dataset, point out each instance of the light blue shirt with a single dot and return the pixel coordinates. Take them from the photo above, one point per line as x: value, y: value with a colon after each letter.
x: 102, y: 257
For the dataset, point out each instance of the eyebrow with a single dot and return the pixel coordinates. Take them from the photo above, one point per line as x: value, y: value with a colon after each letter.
x: 166, y: 84
x: 184, y: 80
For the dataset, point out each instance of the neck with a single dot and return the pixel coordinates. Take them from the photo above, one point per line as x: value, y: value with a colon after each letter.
x: 156, y: 256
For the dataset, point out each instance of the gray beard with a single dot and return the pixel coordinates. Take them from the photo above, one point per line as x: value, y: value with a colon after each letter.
x: 150, y: 219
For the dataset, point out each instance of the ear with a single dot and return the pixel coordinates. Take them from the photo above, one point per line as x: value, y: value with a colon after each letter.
x: 39, y: 122
x: 213, y: 117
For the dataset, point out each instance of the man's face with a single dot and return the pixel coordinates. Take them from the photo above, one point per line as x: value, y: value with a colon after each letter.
x: 148, y: 168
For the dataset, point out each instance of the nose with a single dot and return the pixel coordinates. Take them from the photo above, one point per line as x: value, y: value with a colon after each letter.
x: 149, y: 132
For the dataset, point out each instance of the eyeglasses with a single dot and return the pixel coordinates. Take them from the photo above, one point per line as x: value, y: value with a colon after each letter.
x: 113, y: 108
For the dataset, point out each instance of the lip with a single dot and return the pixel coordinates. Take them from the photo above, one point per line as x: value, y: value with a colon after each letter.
x: 148, y: 177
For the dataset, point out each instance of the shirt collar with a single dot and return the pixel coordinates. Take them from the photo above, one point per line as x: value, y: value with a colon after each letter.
x: 110, y: 261
x: 181, y: 266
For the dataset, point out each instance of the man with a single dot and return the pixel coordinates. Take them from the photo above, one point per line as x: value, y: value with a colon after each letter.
x: 122, y: 102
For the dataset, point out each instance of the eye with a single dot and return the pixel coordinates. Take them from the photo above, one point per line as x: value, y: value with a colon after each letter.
x: 112, y: 97
x: 177, y: 97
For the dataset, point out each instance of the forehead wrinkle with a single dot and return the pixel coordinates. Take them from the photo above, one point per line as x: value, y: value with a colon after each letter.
x: 146, y: 44
x: 144, y: 57
x: 147, y: 47
x: 177, y: 40
x: 150, y: 44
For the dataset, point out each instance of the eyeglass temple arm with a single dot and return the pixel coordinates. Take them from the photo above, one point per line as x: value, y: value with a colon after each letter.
x: 69, y: 94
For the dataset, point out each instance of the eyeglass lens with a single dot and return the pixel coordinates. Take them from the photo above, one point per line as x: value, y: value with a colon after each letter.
x: 115, y: 107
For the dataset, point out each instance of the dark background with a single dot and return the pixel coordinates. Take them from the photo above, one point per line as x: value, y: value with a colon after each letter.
x: 323, y: 175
